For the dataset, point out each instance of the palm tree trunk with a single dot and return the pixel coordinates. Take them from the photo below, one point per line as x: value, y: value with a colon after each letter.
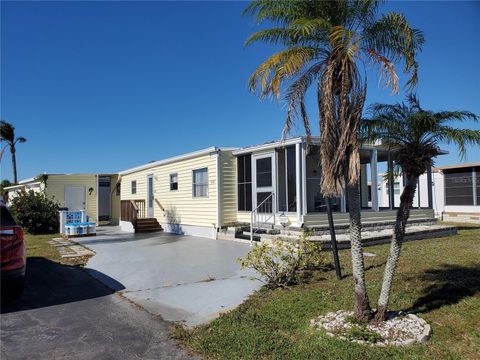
x: 361, y: 309
x: 403, y: 213
x: 14, y: 163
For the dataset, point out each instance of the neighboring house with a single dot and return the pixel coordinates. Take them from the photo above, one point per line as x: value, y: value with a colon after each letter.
x: 272, y: 184
x: 455, y: 192
x: 96, y: 193
x: 420, y: 200
x: 461, y: 195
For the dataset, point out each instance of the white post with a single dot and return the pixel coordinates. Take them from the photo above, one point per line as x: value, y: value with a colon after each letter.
x: 364, y: 185
x: 251, y: 228
x: 297, y: 183
x: 304, y: 179
x: 373, y: 165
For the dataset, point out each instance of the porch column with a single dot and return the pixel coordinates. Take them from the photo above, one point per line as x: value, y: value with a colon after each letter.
x: 430, y: 187
x: 298, y: 178
x: 304, y: 178
x: 391, y: 183
x: 364, y: 185
x: 374, y: 185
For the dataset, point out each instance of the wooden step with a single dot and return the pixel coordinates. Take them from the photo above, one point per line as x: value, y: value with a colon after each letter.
x: 148, y: 225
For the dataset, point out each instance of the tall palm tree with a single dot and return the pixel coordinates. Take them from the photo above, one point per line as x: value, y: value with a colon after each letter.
x: 414, y: 134
x: 7, y: 134
x: 324, y: 43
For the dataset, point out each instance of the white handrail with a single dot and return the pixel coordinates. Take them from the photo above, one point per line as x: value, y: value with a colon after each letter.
x: 255, y: 214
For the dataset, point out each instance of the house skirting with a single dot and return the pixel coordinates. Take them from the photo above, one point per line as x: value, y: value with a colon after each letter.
x: 192, y: 230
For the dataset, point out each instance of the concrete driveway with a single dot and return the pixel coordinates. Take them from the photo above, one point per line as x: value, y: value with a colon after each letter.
x: 182, y: 278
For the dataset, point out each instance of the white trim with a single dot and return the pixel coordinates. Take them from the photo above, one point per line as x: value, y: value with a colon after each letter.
x: 268, y: 146
x: 298, y: 176
x: 304, y: 180
x: 374, y: 179
x: 217, y: 188
x: 187, y: 156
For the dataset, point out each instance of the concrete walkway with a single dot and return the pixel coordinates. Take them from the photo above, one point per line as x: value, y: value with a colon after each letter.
x: 182, y: 278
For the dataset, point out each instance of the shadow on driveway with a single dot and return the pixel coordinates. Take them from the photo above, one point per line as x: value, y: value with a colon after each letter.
x: 49, y: 283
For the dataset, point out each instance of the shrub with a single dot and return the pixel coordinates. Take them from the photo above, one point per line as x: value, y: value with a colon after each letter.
x: 281, y: 262
x: 35, y: 212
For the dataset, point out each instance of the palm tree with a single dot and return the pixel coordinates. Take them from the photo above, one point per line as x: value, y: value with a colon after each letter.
x: 7, y: 134
x: 325, y: 42
x: 414, y: 135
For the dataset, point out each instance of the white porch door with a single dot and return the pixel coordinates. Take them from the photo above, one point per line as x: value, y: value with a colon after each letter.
x: 75, y: 197
x: 264, y: 180
x: 150, y: 196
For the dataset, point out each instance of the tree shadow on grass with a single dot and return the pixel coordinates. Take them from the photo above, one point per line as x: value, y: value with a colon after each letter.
x: 449, y: 285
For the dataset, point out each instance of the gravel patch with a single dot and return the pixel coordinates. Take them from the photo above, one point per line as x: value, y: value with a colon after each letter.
x: 400, y: 329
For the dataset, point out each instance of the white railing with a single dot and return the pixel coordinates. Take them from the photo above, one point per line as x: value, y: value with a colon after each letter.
x: 263, y: 214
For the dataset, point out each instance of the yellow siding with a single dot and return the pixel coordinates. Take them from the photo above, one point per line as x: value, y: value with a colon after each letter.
x: 228, y: 187
x: 200, y: 211
x: 56, y: 190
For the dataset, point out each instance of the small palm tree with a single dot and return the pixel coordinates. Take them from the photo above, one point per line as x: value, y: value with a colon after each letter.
x: 324, y: 44
x: 7, y: 134
x: 415, y: 135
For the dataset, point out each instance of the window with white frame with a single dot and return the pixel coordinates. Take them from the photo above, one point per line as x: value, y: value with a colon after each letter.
x: 134, y: 187
x: 173, y: 182
x: 200, y: 182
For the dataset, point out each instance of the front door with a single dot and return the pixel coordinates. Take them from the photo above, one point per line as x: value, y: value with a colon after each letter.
x: 263, y: 167
x: 150, y: 196
x: 75, y: 197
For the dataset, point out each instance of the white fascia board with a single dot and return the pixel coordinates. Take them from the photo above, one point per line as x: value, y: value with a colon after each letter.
x: 269, y: 146
x: 212, y: 149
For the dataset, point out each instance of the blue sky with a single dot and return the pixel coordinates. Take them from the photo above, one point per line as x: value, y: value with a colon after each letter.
x: 104, y: 86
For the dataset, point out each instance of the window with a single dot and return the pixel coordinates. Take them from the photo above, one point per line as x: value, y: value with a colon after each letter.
x: 173, y: 182
x: 244, y: 182
x: 396, y: 188
x: 200, y: 182
x: 134, y: 187
x: 459, y: 187
x: 117, y: 189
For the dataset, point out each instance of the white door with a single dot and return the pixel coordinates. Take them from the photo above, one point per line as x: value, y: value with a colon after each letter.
x: 263, y: 176
x: 150, y: 196
x: 75, y: 197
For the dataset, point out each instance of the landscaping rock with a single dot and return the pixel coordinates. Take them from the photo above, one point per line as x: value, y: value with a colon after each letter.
x: 399, y: 329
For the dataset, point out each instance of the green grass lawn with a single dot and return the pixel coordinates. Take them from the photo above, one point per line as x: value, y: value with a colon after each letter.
x: 37, y: 246
x: 439, y: 279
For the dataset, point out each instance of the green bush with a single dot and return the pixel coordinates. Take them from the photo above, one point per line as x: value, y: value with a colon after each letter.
x: 281, y: 262
x: 35, y: 212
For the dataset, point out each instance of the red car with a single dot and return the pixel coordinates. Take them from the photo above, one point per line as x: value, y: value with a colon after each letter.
x: 13, y: 260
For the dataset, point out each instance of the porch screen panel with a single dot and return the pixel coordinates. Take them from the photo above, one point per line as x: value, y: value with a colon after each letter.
x: 477, y: 180
x: 459, y: 187
x: 291, y: 179
x: 264, y: 172
x: 244, y: 182
x: 282, y: 181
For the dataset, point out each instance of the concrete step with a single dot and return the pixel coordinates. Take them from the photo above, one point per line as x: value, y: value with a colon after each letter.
x: 369, y: 238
